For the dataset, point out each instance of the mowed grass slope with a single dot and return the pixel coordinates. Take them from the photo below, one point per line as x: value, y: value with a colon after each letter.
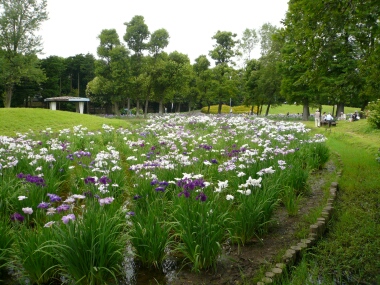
x: 22, y: 120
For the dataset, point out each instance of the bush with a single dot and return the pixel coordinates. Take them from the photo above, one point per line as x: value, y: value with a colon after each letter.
x: 373, y: 116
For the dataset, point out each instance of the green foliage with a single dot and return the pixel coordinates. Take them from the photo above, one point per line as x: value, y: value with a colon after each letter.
x: 91, y: 249
x: 37, y: 261
x: 253, y: 212
x: 373, y: 115
x: 150, y: 233
x: 291, y: 200
x: 7, y: 238
x: 201, y: 228
x: 19, y: 20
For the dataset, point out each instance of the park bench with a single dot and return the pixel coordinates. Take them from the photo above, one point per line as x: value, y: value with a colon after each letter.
x: 333, y: 123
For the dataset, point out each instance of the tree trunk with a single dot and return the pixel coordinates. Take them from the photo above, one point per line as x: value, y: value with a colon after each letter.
x: 137, y: 108
x: 252, y: 110
x: 267, y: 111
x: 116, y: 108
x: 8, y: 97
x: 305, y: 111
x: 146, y: 108
x: 160, y: 106
x: 129, y: 103
x: 339, y: 109
x: 220, y: 108
x: 208, y: 108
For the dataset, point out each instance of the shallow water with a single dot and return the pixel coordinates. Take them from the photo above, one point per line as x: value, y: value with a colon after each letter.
x: 135, y: 275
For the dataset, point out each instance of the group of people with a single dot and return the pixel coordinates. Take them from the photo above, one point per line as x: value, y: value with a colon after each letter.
x: 329, y: 118
x: 317, y: 117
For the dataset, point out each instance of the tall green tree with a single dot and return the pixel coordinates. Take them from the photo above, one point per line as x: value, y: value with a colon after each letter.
x: 250, y: 78
x: 80, y: 69
x: 54, y: 68
x: 137, y: 38
x: 19, y: 20
x: 158, y: 41
x: 299, y: 54
x: 203, y: 77
x: 112, y: 70
x: 247, y: 44
x: 269, y: 79
x: 223, y: 53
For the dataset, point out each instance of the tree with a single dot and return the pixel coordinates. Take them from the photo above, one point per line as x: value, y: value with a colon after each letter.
x: 204, y: 80
x: 251, y: 77
x: 54, y: 68
x: 298, y: 67
x: 223, y: 54
x: 223, y: 51
x: 136, y: 36
x: 112, y: 69
x: 19, y: 20
x: 80, y: 69
x: 269, y: 79
x: 247, y: 43
x: 158, y: 41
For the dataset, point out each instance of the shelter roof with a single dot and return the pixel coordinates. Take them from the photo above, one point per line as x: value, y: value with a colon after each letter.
x: 67, y: 99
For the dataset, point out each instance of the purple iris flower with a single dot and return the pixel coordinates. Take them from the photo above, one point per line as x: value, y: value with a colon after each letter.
x: 63, y: 207
x: 160, y: 189
x: 54, y: 198
x: 184, y: 193
x: 105, y: 180
x: 189, y: 186
x: 131, y: 213
x: 20, y: 175
x: 89, y: 179
x: 17, y: 217
x: 66, y: 219
x: 202, y: 196
x: 43, y: 205
x: 136, y: 197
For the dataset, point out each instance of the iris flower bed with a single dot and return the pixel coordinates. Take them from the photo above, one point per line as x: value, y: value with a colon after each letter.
x: 73, y: 202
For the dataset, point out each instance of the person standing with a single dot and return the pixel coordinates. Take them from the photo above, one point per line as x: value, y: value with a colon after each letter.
x: 317, y: 118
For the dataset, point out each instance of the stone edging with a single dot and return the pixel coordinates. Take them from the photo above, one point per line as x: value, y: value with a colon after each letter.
x: 293, y: 254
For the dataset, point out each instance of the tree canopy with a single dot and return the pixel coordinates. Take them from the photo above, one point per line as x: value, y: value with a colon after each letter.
x: 19, y: 20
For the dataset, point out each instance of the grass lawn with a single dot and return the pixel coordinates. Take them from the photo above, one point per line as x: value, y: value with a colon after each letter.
x: 283, y: 109
x: 22, y: 120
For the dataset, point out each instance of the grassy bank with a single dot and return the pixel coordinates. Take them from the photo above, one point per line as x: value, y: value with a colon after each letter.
x: 22, y: 120
x: 350, y: 253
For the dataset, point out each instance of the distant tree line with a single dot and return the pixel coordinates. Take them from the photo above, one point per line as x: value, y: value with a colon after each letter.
x: 327, y: 53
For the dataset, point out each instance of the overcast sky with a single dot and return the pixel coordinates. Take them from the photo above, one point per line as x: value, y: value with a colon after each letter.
x: 74, y: 25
